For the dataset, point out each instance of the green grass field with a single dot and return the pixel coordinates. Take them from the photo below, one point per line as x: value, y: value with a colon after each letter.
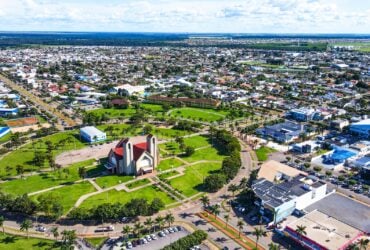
x: 24, y: 156
x: 197, y: 114
x: 263, y: 152
x: 13, y: 242
x: 193, y: 141
x: 43, y: 181
x: 138, y: 183
x: 6, y: 137
x: 112, y: 180
x: 191, y: 183
x: 96, y: 242
x: 68, y: 195
x: 114, y: 196
x: 169, y: 163
x: 209, y: 154
x: 154, y: 109
x: 168, y: 174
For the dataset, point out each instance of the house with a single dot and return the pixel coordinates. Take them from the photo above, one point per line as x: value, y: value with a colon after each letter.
x: 339, y: 124
x: 134, y: 156
x: 92, y: 134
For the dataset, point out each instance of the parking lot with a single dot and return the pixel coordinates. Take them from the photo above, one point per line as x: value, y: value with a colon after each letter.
x: 153, y: 241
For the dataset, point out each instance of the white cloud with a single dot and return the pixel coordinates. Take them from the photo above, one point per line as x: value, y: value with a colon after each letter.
x: 295, y: 16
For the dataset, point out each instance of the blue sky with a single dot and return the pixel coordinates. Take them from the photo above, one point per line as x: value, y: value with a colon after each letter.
x: 240, y: 16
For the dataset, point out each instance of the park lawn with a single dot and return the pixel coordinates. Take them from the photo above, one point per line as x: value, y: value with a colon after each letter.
x: 69, y: 194
x: 197, y: 141
x: 14, y: 242
x: 198, y: 114
x: 113, y: 112
x: 112, y: 180
x: 138, y: 183
x: 208, y: 154
x: 96, y: 242
x: 263, y: 153
x: 42, y: 181
x: 152, y: 107
x: 191, y: 182
x: 168, y: 133
x: 114, y: 196
x: 24, y: 155
x: 171, y: 147
x: 168, y: 174
x: 169, y: 163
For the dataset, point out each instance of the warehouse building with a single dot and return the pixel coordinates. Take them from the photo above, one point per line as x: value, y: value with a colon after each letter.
x: 91, y: 134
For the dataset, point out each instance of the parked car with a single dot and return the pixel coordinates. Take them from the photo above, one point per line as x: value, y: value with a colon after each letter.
x: 161, y: 234
x: 154, y: 237
x: 129, y: 245
x: 40, y: 228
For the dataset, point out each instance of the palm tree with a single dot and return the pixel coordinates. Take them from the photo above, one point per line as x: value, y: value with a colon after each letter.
x: 232, y: 188
x: 240, y: 225
x: 259, y: 232
x: 243, y: 182
x: 2, y: 223
x: 169, y: 218
x: 273, y: 246
x: 216, y: 210
x: 363, y: 243
x: 159, y: 220
x: 68, y: 238
x: 137, y: 228
x: 300, y: 230
x: 25, y: 226
x: 126, y: 230
x: 149, y: 223
x: 55, y: 232
x: 227, y: 218
x: 205, y: 201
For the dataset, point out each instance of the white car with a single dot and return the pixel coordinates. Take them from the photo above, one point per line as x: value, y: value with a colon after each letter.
x: 129, y: 245
x: 154, y: 237
x: 148, y: 238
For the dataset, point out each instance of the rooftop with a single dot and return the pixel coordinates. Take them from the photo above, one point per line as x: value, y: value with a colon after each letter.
x: 326, y: 230
x: 345, y: 209
x: 271, y: 169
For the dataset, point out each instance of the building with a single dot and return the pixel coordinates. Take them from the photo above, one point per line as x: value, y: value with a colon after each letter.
x: 289, y: 190
x: 4, y: 112
x: 282, y: 132
x: 274, y: 170
x: 302, y: 114
x: 306, y: 147
x: 323, y: 232
x: 361, y: 128
x: 134, y: 156
x: 91, y: 134
x: 129, y: 89
x: 339, y: 124
x: 4, y: 131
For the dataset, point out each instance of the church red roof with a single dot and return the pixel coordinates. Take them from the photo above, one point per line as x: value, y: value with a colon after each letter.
x: 118, y: 151
x: 139, y: 149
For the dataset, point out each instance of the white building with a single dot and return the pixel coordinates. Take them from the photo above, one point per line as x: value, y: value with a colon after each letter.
x: 92, y: 134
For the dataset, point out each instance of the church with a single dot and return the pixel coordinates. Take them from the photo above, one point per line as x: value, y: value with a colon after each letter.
x: 134, y: 156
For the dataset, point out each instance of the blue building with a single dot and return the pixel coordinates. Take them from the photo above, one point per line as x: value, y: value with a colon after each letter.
x: 91, y: 134
x: 4, y: 131
x: 8, y: 112
x: 282, y: 132
x: 302, y: 114
x: 361, y: 128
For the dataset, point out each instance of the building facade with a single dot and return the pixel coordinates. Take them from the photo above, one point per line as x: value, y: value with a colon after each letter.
x: 134, y: 156
x: 91, y: 134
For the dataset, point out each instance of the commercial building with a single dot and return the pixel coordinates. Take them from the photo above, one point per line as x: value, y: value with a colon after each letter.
x: 4, y: 112
x: 323, y: 232
x: 361, y: 128
x: 280, y: 197
x: 282, y: 132
x: 302, y: 114
x: 91, y: 134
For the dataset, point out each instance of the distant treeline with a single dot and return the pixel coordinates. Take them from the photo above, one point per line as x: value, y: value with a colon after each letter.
x: 11, y: 39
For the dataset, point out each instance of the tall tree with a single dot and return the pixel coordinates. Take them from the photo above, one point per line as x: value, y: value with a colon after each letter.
x: 169, y: 218
x: 149, y: 223
x: 25, y: 226
x: 126, y: 230
x: 215, y: 210
x: 55, y: 232
x: 240, y: 226
x: 2, y: 220
x: 300, y: 230
x: 205, y: 201
x: 227, y: 218
x: 259, y: 232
